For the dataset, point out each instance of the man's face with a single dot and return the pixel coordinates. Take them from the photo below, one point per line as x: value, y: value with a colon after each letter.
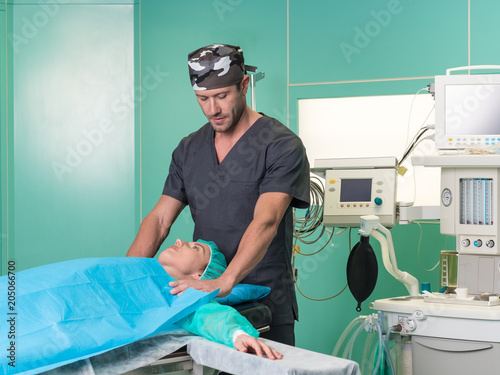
x: 223, y: 107
x: 185, y: 259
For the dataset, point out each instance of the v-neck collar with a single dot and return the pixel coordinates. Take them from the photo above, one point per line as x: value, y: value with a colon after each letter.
x: 245, y: 135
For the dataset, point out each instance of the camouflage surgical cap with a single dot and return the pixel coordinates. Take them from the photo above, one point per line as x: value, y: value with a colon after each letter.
x: 216, y: 66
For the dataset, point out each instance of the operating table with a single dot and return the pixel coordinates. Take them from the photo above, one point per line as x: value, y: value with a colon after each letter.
x: 180, y: 352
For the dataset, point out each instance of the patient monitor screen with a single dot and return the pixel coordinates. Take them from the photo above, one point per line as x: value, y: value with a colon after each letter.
x: 356, y: 190
x: 472, y: 109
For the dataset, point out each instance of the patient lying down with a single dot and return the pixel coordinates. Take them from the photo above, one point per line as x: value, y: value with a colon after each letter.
x: 220, y: 323
x: 75, y: 310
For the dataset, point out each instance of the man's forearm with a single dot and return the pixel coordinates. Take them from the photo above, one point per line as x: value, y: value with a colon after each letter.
x: 269, y: 211
x: 155, y: 227
x: 148, y: 239
x: 255, y: 243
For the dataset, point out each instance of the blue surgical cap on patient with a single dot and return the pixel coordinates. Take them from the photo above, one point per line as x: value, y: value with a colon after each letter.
x: 217, y: 264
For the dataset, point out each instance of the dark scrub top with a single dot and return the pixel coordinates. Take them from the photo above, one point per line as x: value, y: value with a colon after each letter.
x: 222, y: 197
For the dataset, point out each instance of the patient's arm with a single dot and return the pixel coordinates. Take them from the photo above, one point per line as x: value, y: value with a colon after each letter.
x: 219, y: 323
x: 250, y: 344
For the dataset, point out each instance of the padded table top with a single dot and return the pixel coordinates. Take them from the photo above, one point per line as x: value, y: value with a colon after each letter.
x: 295, y: 360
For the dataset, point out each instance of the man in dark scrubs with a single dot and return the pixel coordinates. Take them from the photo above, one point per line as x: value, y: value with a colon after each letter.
x: 241, y: 174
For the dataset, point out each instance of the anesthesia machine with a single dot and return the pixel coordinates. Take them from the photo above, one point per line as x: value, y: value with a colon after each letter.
x: 456, y: 330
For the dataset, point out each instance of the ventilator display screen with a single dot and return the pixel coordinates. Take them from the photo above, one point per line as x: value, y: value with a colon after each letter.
x: 472, y: 109
x: 356, y: 190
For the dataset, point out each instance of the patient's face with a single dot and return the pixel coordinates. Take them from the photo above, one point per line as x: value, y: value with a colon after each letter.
x: 185, y: 259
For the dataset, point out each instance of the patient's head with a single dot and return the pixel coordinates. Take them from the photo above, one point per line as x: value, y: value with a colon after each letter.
x: 197, y: 260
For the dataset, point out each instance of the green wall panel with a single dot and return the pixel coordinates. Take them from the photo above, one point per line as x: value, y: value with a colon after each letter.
x: 3, y: 149
x: 355, y: 40
x: 7, y: 141
x: 485, y: 29
x: 73, y: 76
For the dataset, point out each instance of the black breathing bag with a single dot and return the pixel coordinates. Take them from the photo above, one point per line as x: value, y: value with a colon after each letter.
x: 362, y: 271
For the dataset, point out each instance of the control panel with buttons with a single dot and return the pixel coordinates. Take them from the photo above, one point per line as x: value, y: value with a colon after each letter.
x: 478, y: 244
x: 352, y: 193
x: 470, y: 203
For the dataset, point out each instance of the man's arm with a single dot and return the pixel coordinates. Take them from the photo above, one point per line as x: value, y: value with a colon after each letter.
x: 268, y: 213
x: 155, y: 227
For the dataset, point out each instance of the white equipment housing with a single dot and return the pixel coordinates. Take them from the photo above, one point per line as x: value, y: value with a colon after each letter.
x: 467, y: 109
x: 357, y: 187
x: 453, y: 335
x: 470, y: 206
x: 473, y: 219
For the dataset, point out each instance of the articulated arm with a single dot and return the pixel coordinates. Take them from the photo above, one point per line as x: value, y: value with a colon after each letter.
x: 370, y: 226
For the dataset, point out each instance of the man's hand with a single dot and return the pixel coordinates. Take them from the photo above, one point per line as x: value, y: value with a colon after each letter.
x: 179, y: 286
x: 249, y: 344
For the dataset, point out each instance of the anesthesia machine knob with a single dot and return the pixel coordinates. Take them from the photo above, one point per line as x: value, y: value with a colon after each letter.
x: 418, y: 315
x: 378, y: 201
x: 478, y: 243
x: 490, y: 243
x: 410, y: 324
x: 465, y: 243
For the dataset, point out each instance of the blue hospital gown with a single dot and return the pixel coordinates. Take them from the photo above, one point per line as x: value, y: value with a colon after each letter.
x: 76, y: 309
